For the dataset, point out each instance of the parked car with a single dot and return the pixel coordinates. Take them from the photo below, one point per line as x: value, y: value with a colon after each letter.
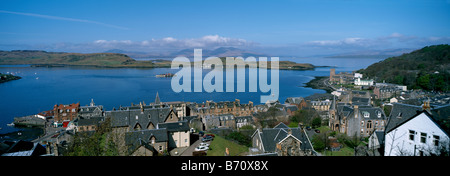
x: 308, y: 128
x: 212, y: 135
x: 204, y: 144
x: 317, y: 131
x: 201, y: 148
x: 207, y: 138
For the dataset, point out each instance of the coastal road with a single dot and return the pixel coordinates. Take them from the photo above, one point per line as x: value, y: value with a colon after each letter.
x: 326, y: 83
x: 49, y: 132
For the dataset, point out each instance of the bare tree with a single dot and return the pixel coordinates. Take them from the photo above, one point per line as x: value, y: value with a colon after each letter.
x: 393, y: 136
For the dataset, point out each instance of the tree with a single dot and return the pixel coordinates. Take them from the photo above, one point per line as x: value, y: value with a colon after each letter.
x: 424, y: 82
x: 317, y: 122
x: 398, y: 79
x: 99, y: 143
x: 304, y: 116
x: 240, y: 138
x: 318, y: 142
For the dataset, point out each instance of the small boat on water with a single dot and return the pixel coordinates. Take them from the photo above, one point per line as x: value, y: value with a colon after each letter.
x: 11, y: 124
x: 167, y: 75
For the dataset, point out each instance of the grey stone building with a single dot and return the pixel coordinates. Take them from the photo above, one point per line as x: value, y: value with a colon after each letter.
x: 282, y: 140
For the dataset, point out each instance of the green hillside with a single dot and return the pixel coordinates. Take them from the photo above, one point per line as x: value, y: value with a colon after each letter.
x: 75, y: 59
x: 426, y: 68
x: 115, y: 60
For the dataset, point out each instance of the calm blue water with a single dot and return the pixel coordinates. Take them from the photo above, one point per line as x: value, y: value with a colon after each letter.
x: 41, y: 88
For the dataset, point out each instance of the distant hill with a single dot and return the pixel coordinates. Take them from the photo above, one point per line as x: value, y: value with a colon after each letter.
x: 373, y: 53
x: 427, y: 68
x: 115, y: 60
x: 219, y: 52
x: 43, y: 58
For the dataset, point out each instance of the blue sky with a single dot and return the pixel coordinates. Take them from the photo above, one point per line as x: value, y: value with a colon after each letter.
x: 284, y: 27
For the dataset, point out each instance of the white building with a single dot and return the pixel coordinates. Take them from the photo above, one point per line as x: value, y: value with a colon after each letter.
x: 362, y: 82
x: 358, y: 75
x: 419, y: 135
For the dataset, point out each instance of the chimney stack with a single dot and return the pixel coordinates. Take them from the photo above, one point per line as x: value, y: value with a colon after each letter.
x: 426, y: 105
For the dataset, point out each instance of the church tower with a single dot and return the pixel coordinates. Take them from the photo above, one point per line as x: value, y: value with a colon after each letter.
x: 157, y: 100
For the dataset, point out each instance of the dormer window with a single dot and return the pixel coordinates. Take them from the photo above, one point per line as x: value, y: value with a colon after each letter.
x: 366, y: 114
x: 378, y: 114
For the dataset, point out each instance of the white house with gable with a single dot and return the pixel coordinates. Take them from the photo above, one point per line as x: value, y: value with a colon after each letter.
x: 419, y: 135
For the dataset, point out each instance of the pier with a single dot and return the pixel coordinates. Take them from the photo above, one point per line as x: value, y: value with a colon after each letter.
x: 29, y: 121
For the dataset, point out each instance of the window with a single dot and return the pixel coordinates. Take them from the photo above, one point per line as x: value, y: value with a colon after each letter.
x: 160, y: 148
x: 436, y: 140
x: 185, y: 141
x: 366, y: 114
x: 411, y: 135
x: 362, y: 123
x: 369, y: 124
x: 423, y: 137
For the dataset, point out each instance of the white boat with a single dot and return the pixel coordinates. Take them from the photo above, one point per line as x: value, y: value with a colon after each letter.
x: 11, y: 124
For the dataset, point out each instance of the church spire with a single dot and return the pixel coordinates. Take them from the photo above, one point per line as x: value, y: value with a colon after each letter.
x: 92, y: 102
x: 157, y: 101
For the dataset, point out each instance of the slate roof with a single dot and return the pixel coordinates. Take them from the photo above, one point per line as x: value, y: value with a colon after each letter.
x: 131, y: 117
x: 135, y: 139
x: 294, y: 100
x: 290, y: 107
x: 281, y: 125
x: 175, y: 126
x: 242, y: 118
x: 401, y: 113
x: 189, y: 118
x: 441, y: 112
x: 271, y: 136
x: 380, y: 136
x: 360, y: 101
x: 90, y: 121
x: 88, y: 109
x: 373, y: 113
x: 25, y: 148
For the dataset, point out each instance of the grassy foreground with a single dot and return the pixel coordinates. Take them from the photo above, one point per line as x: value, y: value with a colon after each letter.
x: 218, y: 145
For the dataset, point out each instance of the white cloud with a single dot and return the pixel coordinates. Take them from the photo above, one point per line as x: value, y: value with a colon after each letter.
x: 346, y: 41
x: 171, y: 43
x: 169, y: 39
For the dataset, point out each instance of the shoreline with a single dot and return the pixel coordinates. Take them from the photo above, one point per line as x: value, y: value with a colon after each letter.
x: 318, y: 83
x: 8, y: 77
